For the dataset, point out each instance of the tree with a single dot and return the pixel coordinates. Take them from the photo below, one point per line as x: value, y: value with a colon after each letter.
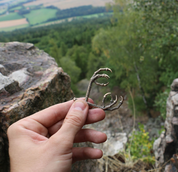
x: 69, y: 66
x: 163, y: 15
x: 63, y: 49
x: 127, y: 48
x: 79, y: 54
x: 142, y: 47
x: 94, y: 63
x: 54, y: 51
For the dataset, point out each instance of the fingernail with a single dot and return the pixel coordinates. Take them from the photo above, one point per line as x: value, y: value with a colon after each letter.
x: 79, y: 105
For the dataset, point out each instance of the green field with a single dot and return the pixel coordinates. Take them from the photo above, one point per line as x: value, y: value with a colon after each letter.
x: 8, y: 29
x: 10, y: 16
x: 16, y: 8
x: 3, y: 10
x: 41, y: 15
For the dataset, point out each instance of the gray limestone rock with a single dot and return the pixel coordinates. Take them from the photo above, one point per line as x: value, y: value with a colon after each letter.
x: 166, y: 146
x: 8, y: 85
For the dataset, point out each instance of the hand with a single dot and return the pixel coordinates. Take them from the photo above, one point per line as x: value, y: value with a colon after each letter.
x: 43, y: 142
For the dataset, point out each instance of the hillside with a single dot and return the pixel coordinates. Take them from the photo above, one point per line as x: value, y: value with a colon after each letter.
x: 28, y: 13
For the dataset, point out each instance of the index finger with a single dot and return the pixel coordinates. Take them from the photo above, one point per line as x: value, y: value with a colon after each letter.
x: 53, y: 114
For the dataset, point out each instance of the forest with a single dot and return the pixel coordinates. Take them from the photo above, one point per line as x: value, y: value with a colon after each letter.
x: 143, y: 57
x: 69, y: 43
x: 139, y: 43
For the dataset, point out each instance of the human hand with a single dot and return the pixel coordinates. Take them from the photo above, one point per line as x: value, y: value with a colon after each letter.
x: 43, y: 142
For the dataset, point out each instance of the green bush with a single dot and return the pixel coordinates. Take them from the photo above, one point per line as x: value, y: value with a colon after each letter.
x: 140, y: 146
x: 160, y: 102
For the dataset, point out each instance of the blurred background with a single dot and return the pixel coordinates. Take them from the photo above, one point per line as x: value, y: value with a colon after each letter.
x: 137, y: 39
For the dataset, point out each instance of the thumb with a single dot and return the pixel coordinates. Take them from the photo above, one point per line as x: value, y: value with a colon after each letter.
x: 74, y: 121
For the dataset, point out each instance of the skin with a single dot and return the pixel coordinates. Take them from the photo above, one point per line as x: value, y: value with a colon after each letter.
x: 43, y: 142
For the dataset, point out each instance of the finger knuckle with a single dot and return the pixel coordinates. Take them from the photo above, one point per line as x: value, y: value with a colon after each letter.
x: 74, y: 120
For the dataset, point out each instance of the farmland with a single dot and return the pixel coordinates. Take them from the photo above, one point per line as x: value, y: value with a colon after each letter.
x: 11, y: 16
x: 25, y: 13
x: 41, y: 15
x: 64, y: 4
x: 10, y: 23
x: 11, y: 28
x: 2, y: 10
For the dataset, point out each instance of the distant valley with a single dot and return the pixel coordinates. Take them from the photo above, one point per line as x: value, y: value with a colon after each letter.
x: 15, y: 14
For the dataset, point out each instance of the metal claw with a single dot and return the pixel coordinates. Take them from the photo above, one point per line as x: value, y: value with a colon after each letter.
x: 118, y: 106
x: 113, y: 102
x: 102, y: 69
x: 104, y: 97
x: 101, y: 84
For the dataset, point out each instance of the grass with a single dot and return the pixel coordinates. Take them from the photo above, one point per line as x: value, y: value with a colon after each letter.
x: 16, y: 8
x: 10, y: 16
x: 8, y: 29
x: 41, y: 15
x: 3, y: 10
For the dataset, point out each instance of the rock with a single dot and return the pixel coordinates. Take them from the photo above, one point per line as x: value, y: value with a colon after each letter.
x: 165, y: 147
x: 115, y: 143
x: 30, y: 81
x: 3, y: 70
x: 8, y: 86
x: 22, y: 76
x: 111, y: 125
x: 174, y: 85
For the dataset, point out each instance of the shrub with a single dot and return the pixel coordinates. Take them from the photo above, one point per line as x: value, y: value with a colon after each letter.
x: 140, y: 146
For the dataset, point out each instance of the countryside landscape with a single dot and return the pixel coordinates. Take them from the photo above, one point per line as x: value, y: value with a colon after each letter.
x: 15, y: 14
x: 137, y: 39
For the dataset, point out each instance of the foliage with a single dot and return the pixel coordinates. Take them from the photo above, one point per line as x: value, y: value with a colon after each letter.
x: 94, y: 63
x: 55, y: 51
x: 144, y: 56
x: 70, y: 67
x: 69, y: 44
x: 79, y: 54
x: 163, y: 15
x: 140, y: 145
x: 72, y: 70
x: 124, y: 47
x: 160, y: 102
x: 79, y: 11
